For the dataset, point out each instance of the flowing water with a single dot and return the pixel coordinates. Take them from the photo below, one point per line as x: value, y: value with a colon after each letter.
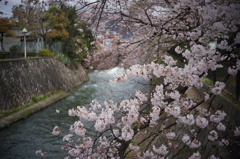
x: 22, y: 139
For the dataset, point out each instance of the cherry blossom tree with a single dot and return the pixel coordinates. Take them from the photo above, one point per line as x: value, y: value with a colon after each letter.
x: 187, y: 38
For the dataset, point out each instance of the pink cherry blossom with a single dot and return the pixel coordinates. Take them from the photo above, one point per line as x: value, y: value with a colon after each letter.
x: 186, y: 139
x: 134, y: 148
x: 147, y: 154
x: 100, y: 125
x: 175, y: 111
x: 74, y: 152
x: 169, y: 60
x: 195, y: 35
x: 213, y: 135
x: 127, y: 133
x: 162, y: 150
x: 143, y: 120
x: 141, y: 96
x: 218, y: 116
x: 221, y: 127
x: 95, y: 104
x: 218, y: 87
x: 79, y: 128
x: 178, y: 49
x: 195, y: 155
x: 234, y: 69
x: 237, y: 38
x: 195, y: 144
x: 213, y: 157
x: 224, y: 46
x: 170, y: 135
x: 205, y: 112
x: 237, y: 131
x: 223, y: 142
x: 38, y: 152
x: 67, y: 137
x: 188, y: 119
x: 116, y: 132
x: 71, y: 112
x: 56, y: 130
x: 201, y: 122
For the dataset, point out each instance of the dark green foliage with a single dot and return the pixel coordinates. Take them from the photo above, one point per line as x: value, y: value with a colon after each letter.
x: 78, y: 45
x: 35, y: 99
x: 63, y: 59
x: 45, y: 52
x: 73, y: 34
x: 38, y: 99
x: 15, y: 48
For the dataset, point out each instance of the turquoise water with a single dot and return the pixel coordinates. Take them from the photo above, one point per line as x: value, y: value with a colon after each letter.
x: 22, y: 139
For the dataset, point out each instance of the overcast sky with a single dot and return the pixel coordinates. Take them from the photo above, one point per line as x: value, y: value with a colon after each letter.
x: 7, y: 9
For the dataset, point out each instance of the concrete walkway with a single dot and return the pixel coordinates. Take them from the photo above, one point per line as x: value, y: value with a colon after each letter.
x: 7, y: 121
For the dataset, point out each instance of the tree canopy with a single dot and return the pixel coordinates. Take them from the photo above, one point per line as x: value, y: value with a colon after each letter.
x: 5, y: 25
x: 29, y: 14
x: 56, y: 22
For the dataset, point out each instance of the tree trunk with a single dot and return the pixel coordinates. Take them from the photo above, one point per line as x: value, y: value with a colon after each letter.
x: 123, y: 148
x: 238, y: 85
x: 2, y: 48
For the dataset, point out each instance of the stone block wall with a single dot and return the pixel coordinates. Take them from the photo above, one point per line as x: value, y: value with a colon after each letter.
x: 20, y: 80
x: 177, y: 149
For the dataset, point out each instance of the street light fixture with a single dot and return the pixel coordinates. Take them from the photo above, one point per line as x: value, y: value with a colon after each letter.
x: 24, y: 31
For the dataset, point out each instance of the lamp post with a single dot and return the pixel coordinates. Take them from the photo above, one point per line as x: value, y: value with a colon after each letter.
x: 24, y: 31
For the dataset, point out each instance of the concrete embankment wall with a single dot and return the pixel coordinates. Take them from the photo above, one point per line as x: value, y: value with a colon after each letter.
x: 20, y: 80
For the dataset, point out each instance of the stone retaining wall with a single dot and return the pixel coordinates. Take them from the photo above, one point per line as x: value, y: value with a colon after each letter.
x: 20, y: 80
x: 179, y: 150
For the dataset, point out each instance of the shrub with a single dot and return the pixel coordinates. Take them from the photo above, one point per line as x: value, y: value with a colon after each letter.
x: 15, y: 48
x: 63, y: 59
x: 45, y: 52
x: 35, y: 99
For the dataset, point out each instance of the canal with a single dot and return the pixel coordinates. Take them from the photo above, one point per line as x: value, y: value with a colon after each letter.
x: 22, y: 139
